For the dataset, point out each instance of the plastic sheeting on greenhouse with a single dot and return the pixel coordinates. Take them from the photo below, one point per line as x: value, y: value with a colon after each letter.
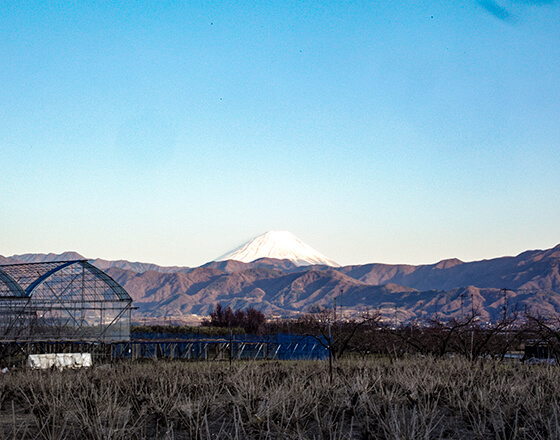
x: 59, y: 361
x: 62, y: 301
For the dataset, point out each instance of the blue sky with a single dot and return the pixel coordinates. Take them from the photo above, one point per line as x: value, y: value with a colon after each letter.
x: 172, y: 132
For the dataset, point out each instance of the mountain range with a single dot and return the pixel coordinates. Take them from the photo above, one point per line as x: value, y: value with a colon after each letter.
x: 286, y: 287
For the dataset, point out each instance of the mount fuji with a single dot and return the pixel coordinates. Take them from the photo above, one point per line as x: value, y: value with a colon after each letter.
x: 281, y: 245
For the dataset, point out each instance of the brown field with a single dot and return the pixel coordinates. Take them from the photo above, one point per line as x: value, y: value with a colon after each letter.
x: 414, y: 398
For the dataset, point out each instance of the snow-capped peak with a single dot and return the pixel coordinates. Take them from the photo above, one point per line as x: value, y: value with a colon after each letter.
x: 278, y: 244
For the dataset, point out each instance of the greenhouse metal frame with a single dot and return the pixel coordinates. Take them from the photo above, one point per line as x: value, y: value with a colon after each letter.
x: 62, y: 301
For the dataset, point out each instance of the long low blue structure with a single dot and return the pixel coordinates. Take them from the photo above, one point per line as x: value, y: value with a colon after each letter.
x: 195, y: 346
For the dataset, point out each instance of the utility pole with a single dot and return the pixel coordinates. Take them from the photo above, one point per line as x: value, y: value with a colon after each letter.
x: 472, y: 326
x: 341, y: 313
x: 505, y: 290
x: 230, y: 346
x: 330, y: 353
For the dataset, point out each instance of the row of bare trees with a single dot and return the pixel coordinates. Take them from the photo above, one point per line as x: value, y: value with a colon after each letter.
x: 469, y: 336
x: 369, y: 333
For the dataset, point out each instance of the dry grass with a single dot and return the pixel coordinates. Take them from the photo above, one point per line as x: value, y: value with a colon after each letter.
x: 418, y: 398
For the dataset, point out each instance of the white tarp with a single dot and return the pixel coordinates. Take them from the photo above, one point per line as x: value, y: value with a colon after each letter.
x: 59, y: 360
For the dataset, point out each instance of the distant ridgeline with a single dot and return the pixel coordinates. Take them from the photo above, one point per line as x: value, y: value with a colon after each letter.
x: 282, y: 288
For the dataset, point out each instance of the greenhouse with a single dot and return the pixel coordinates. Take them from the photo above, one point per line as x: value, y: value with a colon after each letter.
x: 62, y: 301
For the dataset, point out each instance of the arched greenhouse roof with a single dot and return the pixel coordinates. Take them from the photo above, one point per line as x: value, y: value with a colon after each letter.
x: 34, y: 280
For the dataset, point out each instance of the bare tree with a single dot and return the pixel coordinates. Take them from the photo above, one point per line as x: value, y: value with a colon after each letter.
x: 545, y: 330
x: 337, y: 335
x: 466, y: 336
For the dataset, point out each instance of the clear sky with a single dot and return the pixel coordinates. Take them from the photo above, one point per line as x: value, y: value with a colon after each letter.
x: 375, y: 131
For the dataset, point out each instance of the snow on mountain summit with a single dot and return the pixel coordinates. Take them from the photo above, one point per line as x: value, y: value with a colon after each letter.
x: 278, y: 244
